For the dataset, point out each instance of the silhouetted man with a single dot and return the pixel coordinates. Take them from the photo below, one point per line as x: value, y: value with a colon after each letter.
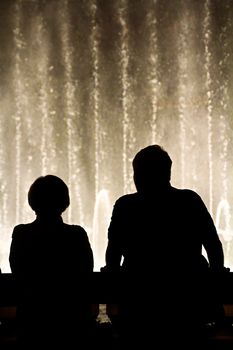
x: 156, y: 236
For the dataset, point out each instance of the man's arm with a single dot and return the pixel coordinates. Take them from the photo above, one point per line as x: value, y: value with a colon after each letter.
x: 113, y: 254
x: 210, y: 239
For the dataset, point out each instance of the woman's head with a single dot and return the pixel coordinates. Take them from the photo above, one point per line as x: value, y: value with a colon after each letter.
x: 49, y: 194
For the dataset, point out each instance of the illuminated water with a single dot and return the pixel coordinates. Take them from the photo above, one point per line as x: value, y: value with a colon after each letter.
x: 85, y: 84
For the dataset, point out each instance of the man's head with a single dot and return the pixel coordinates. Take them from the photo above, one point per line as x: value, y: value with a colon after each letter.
x: 152, y: 169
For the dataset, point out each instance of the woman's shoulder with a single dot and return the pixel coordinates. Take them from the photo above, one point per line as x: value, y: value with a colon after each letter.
x: 23, y: 227
x: 22, y: 230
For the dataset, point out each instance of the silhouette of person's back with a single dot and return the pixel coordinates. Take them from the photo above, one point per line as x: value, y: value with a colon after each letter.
x: 155, y: 234
x: 51, y: 260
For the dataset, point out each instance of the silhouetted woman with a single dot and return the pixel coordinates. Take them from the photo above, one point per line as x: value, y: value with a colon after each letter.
x: 51, y: 260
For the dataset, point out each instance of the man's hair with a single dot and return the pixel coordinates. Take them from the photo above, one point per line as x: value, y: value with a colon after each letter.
x: 152, y: 163
x: 48, y: 193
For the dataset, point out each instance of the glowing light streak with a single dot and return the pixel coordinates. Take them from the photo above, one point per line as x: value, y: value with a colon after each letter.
x: 96, y: 94
x: 209, y: 94
x: 183, y: 67
x: 153, y: 76
x: 71, y: 116
x: 18, y: 87
x: 124, y: 62
x: 223, y: 123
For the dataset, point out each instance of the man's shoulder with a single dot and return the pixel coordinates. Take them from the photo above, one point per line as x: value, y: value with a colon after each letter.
x: 188, y: 197
x: 188, y: 193
x: 127, y: 198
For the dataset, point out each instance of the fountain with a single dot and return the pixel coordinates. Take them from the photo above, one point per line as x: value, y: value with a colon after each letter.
x: 101, y: 219
x: 86, y: 84
x: 224, y: 229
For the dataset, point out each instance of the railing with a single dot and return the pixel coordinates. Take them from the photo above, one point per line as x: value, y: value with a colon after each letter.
x: 104, y: 289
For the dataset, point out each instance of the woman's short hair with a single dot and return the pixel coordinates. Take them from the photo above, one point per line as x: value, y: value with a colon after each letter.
x: 48, y: 194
